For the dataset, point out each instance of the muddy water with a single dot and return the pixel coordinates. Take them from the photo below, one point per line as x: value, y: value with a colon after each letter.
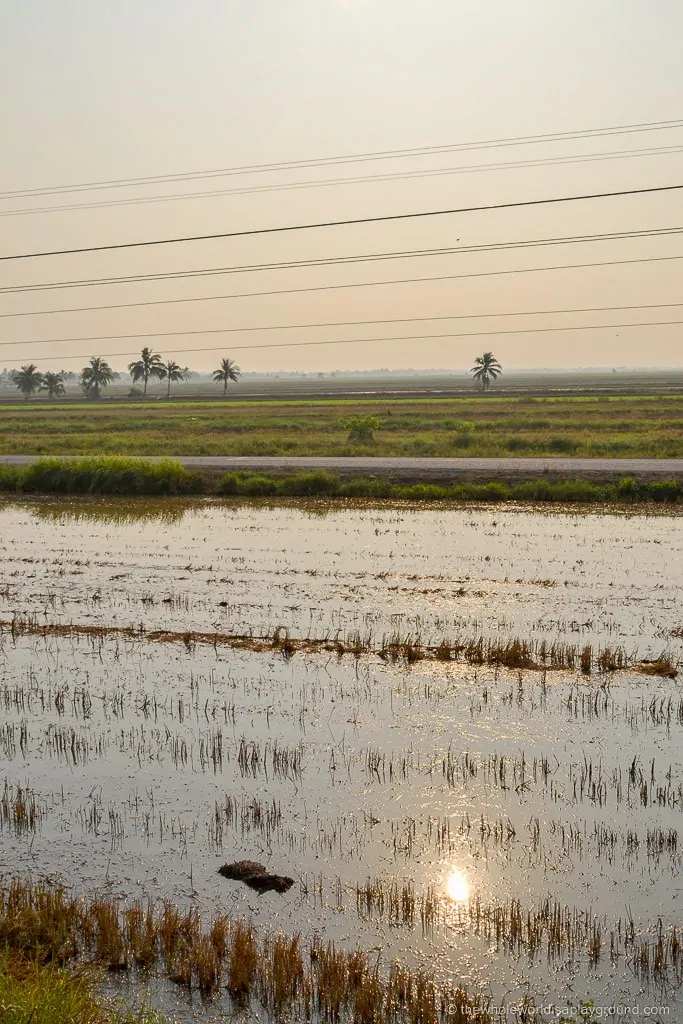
x: 150, y: 764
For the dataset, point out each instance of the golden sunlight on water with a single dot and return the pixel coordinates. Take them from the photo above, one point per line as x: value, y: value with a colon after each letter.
x: 457, y: 886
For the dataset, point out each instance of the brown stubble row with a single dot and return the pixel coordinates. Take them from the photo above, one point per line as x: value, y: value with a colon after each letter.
x: 510, y: 653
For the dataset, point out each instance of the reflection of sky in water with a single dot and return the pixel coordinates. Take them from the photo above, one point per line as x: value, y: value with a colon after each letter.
x: 401, y: 779
x: 433, y: 573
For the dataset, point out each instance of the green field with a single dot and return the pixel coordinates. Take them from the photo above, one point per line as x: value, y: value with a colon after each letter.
x: 629, y: 426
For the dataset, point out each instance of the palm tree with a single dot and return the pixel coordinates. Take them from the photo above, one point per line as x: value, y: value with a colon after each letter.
x: 148, y: 365
x: 98, y: 374
x: 172, y: 372
x: 28, y: 379
x: 486, y: 367
x: 228, y: 371
x: 53, y: 383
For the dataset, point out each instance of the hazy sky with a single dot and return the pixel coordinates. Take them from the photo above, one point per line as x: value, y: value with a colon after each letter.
x: 95, y: 91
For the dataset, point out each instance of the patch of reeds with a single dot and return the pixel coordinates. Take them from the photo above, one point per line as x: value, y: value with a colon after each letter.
x: 285, y: 974
x: 20, y: 810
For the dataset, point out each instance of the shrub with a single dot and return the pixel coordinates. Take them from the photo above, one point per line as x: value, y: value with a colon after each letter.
x: 563, y: 444
x: 460, y: 426
x: 108, y: 474
x: 665, y: 490
x: 518, y: 444
x: 424, y: 492
x: 257, y: 486
x: 361, y: 428
x: 367, y: 487
x: 303, y: 485
x: 627, y: 487
x: 228, y: 484
x: 462, y: 440
x: 492, y: 491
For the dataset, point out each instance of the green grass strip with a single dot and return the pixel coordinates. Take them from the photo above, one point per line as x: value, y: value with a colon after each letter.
x: 117, y: 475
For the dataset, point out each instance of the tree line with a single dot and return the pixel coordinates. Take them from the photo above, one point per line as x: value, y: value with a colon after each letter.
x: 98, y: 375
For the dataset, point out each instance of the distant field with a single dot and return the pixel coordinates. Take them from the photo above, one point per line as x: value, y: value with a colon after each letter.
x: 642, y: 426
x: 409, y: 385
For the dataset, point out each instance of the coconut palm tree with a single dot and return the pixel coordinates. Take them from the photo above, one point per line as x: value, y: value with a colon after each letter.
x: 172, y: 372
x: 96, y: 375
x: 486, y: 367
x: 228, y: 371
x: 148, y: 365
x: 28, y: 379
x: 53, y: 383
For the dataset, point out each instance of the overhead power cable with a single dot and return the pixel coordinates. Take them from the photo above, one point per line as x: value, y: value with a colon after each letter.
x: 344, y: 223
x: 359, y: 341
x: 338, y: 287
x: 342, y: 323
x: 359, y: 180
x: 385, y: 154
x: 342, y: 260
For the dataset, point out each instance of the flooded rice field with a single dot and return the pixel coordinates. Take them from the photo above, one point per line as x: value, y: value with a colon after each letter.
x: 458, y: 731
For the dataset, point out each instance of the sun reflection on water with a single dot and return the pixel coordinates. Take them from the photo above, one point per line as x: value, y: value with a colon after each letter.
x: 457, y: 886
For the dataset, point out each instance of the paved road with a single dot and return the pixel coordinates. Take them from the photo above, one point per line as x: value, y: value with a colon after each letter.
x: 424, y: 469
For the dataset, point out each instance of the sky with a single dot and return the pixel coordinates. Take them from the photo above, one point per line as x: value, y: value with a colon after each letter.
x: 111, y: 91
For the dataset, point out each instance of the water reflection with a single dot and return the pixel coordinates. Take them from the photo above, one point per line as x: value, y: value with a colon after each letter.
x: 457, y: 886
x: 117, y: 511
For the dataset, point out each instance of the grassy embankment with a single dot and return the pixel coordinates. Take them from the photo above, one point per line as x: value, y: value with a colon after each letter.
x: 130, y: 476
x: 642, y: 426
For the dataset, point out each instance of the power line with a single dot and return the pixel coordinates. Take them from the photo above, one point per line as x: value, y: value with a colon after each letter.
x: 359, y: 341
x: 175, y: 275
x: 364, y: 179
x: 387, y: 154
x: 343, y: 223
x: 338, y: 287
x: 343, y: 323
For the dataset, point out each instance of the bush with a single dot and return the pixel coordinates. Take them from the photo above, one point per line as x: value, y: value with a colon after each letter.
x: 518, y: 444
x: 563, y: 444
x: 665, y: 490
x: 462, y: 441
x: 304, y: 485
x: 367, y: 487
x: 492, y: 491
x: 459, y: 426
x: 108, y: 474
x: 258, y: 486
x: 424, y: 492
x: 228, y: 484
x: 361, y: 428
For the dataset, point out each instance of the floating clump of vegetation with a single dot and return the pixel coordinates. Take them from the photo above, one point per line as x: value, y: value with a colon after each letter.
x: 282, y: 973
x: 119, y: 475
x: 512, y: 653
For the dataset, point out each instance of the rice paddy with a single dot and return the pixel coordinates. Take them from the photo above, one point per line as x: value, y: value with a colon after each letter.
x: 456, y: 729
